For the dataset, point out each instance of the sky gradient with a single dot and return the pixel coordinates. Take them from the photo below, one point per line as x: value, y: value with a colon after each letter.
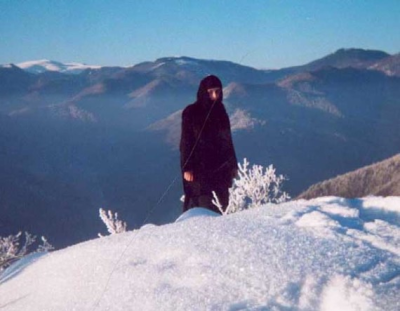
x: 261, y: 34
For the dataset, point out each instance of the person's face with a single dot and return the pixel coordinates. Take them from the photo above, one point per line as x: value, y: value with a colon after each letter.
x: 214, y: 93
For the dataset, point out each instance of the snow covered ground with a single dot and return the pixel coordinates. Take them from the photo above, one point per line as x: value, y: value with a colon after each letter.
x: 323, y: 254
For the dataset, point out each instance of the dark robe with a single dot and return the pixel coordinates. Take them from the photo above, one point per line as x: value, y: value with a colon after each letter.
x: 207, y: 149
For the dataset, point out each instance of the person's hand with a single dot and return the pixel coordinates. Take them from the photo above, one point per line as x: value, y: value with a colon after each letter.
x: 188, y: 176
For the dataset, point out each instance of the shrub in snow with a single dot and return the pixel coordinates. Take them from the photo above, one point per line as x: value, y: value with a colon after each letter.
x: 113, y: 224
x: 14, y: 247
x: 253, y: 188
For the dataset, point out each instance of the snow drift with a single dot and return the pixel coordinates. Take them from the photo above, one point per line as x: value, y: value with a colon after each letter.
x: 323, y: 254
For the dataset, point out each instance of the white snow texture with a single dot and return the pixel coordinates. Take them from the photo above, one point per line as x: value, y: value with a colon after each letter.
x: 324, y: 254
x: 39, y: 66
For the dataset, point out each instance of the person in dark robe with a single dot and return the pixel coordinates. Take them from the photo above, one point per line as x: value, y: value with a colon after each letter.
x: 208, y: 159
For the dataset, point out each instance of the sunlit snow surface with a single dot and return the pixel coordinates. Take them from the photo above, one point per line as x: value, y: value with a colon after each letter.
x: 323, y: 254
x: 39, y: 66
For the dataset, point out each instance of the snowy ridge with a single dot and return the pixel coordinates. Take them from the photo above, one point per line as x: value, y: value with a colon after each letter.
x: 39, y: 66
x: 324, y: 254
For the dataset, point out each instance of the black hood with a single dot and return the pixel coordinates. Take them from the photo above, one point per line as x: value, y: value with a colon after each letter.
x: 208, y: 83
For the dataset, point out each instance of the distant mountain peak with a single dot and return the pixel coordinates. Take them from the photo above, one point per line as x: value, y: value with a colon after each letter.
x: 44, y: 65
x: 177, y: 58
x: 358, y: 50
x: 361, y: 53
x: 348, y: 57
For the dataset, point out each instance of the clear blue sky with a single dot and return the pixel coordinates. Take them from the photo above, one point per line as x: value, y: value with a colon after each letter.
x: 258, y: 33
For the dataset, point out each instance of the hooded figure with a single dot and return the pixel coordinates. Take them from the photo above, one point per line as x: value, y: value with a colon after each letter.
x: 208, y: 159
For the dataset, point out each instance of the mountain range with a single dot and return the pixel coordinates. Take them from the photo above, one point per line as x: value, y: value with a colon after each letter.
x: 71, y: 143
x: 44, y: 65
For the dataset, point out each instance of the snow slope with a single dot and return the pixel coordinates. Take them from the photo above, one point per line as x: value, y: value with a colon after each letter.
x: 323, y: 254
x: 39, y: 66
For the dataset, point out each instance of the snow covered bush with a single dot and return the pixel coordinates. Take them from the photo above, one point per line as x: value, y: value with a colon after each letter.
x: 14, y: 247
x: 253, y: 188
x: 113, y: 224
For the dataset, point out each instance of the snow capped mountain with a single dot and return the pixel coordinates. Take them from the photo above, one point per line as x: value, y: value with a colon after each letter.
x: 39, y: 66
x: 182, y: 60
x: 6, y: 66
x: 191, y: 70
x: 326, y: 254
